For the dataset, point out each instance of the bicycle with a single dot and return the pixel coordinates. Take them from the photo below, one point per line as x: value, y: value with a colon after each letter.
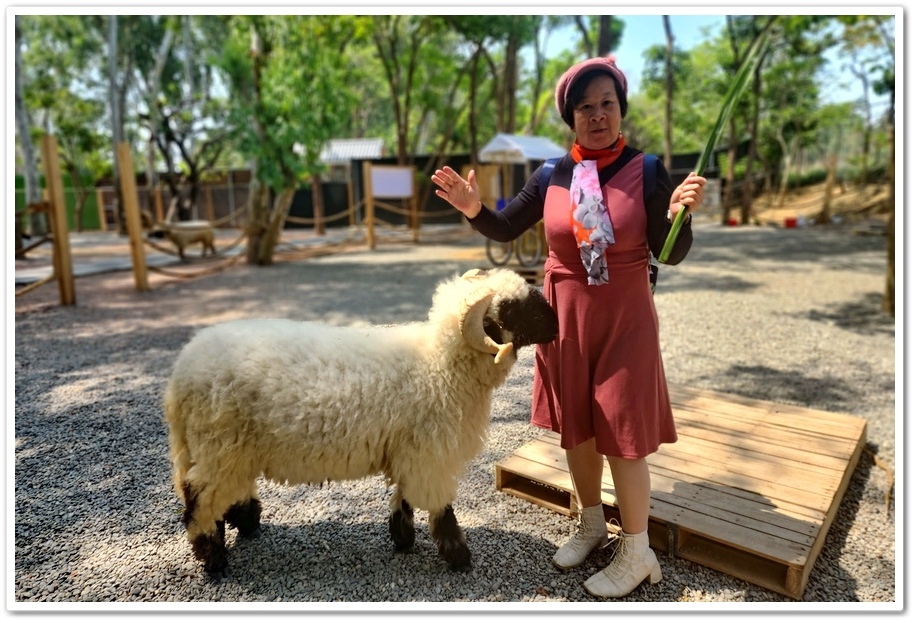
x: 528, y: 249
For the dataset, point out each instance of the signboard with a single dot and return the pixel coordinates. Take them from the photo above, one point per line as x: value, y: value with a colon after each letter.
x: 392, y: 182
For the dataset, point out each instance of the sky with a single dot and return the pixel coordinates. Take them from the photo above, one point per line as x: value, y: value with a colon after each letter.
x: 642, y: 31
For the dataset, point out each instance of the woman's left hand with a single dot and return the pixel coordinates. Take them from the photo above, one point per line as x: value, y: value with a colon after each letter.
x: 689, y: 195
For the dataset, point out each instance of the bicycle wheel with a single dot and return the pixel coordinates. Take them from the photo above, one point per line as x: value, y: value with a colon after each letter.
x: 528, y: 248
x: 499, y: 252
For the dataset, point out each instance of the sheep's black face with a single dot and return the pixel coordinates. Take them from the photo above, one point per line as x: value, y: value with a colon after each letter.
x: 530, y: 320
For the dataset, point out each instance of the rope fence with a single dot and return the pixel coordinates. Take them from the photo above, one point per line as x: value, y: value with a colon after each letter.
x: 378, y: 181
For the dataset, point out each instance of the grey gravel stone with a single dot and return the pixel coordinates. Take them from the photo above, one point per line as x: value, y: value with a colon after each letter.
x: 790, y: 316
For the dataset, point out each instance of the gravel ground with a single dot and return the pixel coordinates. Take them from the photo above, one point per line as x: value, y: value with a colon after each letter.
x: 790, y: 316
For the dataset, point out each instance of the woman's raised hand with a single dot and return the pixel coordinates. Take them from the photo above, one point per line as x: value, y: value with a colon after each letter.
x: 463, y: 194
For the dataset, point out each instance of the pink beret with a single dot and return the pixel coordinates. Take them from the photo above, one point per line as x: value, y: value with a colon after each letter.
x: 603, y: 63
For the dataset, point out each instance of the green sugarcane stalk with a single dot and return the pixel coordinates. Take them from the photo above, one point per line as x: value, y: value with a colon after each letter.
x: 755, y: 53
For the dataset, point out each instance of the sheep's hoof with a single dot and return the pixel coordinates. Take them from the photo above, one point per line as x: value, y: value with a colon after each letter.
x: 245, y: 517
x: 211, y: 550
x: 457, y: 555
x: 453, y: 548
x: 401, y: 528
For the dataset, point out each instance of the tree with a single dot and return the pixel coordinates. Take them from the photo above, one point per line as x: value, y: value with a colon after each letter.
x: 682, y: 89
x: 117, y: 92
x: 65, y: 97
x: 881, y: 27
x: 791, y: 119
x: 669, y: 86
x: 600, y: 35
x: 151, y: 86
x: 418, y: 58
x: 26, y: 147
x: 865, y: 41
x: 288, y: 79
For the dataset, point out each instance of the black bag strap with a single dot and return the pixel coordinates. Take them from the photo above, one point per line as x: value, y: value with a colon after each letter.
x: 648, y: 176
x: 648, y: 187
x: 544, y: 179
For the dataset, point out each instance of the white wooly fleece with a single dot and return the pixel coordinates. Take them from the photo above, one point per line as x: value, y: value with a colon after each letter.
x: 302, y: 402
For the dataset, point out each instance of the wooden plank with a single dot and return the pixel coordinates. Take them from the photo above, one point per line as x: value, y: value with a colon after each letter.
x: 766, y: 429
x: 810, y: 421
x: 733, y: 475
x: 57, y: 215
x: 727, y: 438
x: 539, y: 484
x: 672, y: 497
x: 747, y: 489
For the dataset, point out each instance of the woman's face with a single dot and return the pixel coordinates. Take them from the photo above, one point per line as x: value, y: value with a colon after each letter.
x: 596, y: 119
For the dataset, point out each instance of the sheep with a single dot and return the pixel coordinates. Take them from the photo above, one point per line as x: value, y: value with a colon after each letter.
x: 306, y: 403
x: 184, y: 234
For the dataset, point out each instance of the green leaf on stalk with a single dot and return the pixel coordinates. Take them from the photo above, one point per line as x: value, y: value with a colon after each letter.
x: 735, y: 90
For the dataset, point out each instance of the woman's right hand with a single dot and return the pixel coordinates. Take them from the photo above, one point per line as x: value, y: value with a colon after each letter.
x: 463, y: 194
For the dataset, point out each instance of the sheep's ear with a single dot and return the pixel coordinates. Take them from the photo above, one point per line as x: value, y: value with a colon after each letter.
x: 471, y: 322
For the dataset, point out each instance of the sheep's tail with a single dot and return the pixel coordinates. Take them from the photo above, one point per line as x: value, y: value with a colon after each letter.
x: 179, y: 452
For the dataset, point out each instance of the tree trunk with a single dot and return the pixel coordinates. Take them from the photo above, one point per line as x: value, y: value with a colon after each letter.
x: 729, y: 181
x: 258, y: 211
x: 747, y: 198
x: 155, y: 84
x: 823, y: 217
x: 472, y: 97
x: 37, y: 222
x: 317, y: 204
x: 669, y: 87
x: 887, y: 304
x: 604, y: 35
x: 275, y: 223
x: 511, y: 83
x: 80, y: 195
x: 117, y: 128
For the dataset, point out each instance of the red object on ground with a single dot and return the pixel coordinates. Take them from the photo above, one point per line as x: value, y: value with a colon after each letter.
x: 791, y: 222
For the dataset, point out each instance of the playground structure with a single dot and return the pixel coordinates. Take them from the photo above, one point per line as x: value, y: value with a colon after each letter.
x: 387, y: 190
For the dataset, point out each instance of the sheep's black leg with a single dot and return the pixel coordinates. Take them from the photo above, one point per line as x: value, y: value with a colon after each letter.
x: 449, y: 538
x: 208, y: 547
x: 400, y: 524
x: 212, y: 552
x: 245, y: 517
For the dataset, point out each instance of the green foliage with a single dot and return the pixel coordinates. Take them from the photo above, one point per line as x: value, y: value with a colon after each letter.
x: 291, y: 96
x: 409, y: 78
x: 735, y: 91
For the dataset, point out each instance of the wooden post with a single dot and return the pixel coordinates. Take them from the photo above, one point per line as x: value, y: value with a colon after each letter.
x: 157, y: 201
x: 57, y: 216
x: 369, y: 218
x: 132, y: 214
x: 100, y: 205
x: 318, y: 205
x: 415, y: 217
x: 350, y: 207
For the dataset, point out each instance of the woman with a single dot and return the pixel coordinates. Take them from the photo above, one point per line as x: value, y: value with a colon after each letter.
x: 601, y: 384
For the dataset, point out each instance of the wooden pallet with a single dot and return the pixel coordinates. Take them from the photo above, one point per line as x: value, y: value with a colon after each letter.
x: 749, y: 489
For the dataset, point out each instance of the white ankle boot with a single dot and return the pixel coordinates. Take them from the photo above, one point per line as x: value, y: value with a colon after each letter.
x: 591, y: 532
x: 634, y: 562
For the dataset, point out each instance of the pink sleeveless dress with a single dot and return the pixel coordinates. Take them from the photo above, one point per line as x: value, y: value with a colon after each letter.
x: 603, y: 377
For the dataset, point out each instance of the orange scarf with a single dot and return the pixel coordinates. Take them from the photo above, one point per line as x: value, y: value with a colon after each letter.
x: 604, y: 156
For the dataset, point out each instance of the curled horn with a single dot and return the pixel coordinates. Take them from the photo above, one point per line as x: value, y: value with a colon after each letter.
x: 471, y: 322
